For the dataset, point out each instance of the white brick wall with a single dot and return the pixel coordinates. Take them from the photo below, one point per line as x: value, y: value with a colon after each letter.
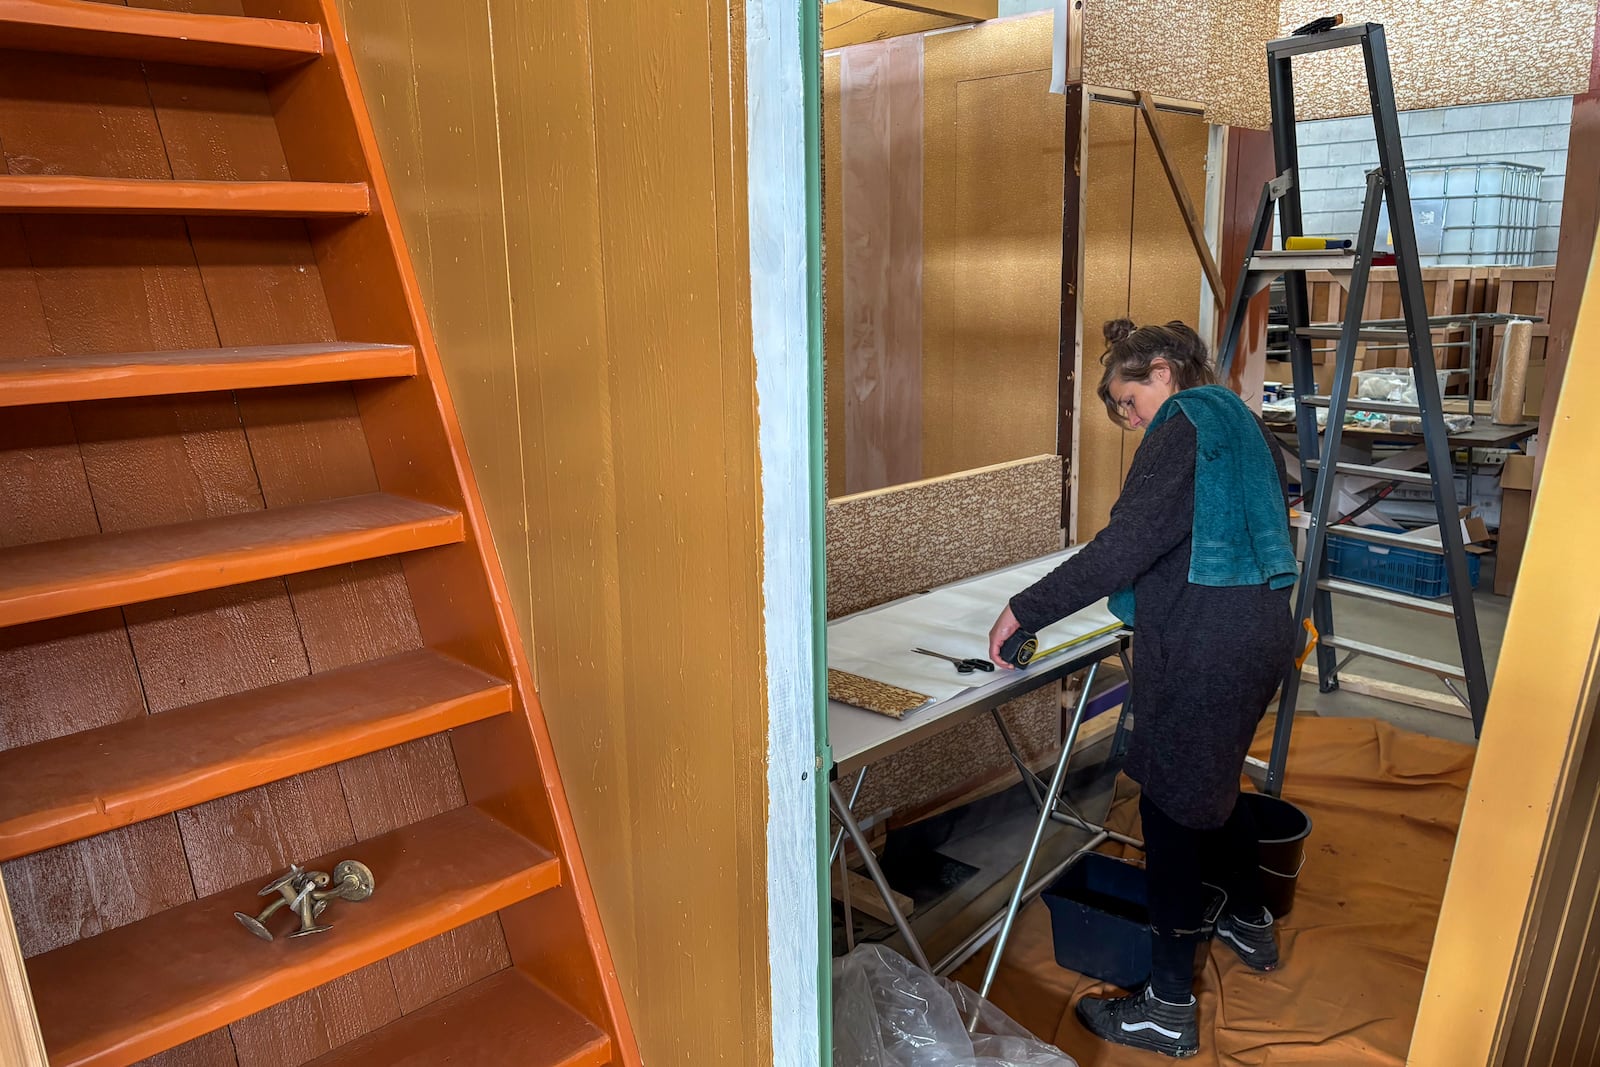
x: 1335, y: 155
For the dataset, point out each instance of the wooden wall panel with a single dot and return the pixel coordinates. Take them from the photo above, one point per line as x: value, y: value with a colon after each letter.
x: 578, y: 228
x: 1138, y: 264
x: 881, y: 152
x: 1107, y: 280
x: 1512, y: 978
x: 992, y: 246
x: 1249, y: 167
x: 834, y: 241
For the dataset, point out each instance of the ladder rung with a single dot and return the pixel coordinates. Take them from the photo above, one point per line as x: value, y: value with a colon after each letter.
x: 1389, y: 407
x: 1388, y: 596
x: 1384, y: 537
x: 1278, y: 262
x: 1333, y: 333
x: 1390, y: 655
x: 1385, y: 474
x: 53, y: 195
x: 73, y: 27
x: 61, y: 379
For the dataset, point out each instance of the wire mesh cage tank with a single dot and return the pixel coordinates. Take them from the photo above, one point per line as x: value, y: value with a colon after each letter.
x: 1471, y: 214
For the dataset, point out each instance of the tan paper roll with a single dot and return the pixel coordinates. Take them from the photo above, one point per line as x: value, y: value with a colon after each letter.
x: 1511, y: 373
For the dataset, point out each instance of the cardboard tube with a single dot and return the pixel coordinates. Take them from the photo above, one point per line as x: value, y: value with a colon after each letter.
x: 1511, y: 373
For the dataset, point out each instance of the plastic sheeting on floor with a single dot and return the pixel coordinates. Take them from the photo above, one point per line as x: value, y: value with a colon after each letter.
x: 1385, y: 805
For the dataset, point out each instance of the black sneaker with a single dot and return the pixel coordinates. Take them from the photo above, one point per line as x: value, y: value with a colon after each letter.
x: 1143, y: 1021
x: 1255, y: 943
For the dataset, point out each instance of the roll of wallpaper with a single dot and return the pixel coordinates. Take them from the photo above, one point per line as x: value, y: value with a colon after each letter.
x: 1511, y: 373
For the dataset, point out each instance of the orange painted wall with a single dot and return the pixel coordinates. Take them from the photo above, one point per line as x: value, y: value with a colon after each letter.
x: 579, y: 231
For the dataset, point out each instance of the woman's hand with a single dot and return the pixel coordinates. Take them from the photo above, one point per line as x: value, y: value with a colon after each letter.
x: 1003, y: 627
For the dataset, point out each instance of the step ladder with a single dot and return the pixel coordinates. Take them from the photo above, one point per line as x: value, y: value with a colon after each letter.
x: 1313, y: 597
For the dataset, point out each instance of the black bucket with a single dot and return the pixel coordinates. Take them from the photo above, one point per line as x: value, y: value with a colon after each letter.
x: 1100, y: 920
x: 1283, y: 829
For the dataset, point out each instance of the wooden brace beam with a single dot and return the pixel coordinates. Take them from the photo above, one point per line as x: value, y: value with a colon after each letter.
x: 850, y: 22
x: 1191, y: 218
x: 963, y: 10
x: 1426, y: 699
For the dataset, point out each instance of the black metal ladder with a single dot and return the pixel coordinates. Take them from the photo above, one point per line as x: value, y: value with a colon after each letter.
x: 1313, y: 596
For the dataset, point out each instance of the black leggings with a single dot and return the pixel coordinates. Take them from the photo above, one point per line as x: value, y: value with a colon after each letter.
x: 1177, y: 860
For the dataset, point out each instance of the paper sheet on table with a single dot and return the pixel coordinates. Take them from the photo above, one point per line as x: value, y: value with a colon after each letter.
x: 954, y: 620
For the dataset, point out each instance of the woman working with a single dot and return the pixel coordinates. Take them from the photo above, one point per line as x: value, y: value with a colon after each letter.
x: 1197, y: 556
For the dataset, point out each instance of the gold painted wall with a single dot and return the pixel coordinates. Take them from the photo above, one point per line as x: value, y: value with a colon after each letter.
x: 1138, y: 264
x: 579, y: 232
x: 994, y: 144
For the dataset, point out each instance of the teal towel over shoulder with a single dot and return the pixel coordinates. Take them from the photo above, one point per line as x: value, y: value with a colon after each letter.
x: 1240, y: 535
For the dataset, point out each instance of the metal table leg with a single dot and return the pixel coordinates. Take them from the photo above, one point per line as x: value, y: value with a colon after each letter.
x: 1045, y: 812
x: 851, y: 827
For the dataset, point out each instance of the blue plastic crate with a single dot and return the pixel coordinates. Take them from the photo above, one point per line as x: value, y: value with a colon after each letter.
x: 1405, y: 570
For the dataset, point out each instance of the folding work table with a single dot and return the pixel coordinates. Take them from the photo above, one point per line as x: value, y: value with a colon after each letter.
x: 860, y: 738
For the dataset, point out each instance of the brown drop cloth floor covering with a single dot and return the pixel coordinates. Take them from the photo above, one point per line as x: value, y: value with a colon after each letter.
x: 1384, y: 805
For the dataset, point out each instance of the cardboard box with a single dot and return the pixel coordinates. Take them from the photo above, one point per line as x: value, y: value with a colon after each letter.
x: 1473, y: 530
x: 1516, y: 506
x: 1535, y: 394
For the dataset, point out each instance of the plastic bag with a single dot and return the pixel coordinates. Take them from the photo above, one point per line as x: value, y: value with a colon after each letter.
x: 887, y: 1012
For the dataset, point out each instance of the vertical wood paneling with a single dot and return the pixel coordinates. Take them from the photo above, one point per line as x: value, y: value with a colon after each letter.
x: 881, y: 179
x: 833, y: 246
x: 1107, y: 266
x: 610, y: 315
x: 992, y: 246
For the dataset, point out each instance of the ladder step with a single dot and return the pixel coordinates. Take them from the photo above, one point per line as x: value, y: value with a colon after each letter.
x: 77, y: 27
x: 63, y: 379
x: 1357, y: 404
x: 50, y: 579
x: 1388, y: 596
x: 1278, y: 262
x: 44, y: 194
x: 1366, y: 470
x: 140, y: 989
x: 86, y: 783
x: 1390, y: 655
x: 1334, y: 333
x: 505, y: 1018
x: 1385, y: 537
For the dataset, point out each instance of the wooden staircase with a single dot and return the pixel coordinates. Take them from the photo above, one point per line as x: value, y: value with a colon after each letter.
x: 249, y: 609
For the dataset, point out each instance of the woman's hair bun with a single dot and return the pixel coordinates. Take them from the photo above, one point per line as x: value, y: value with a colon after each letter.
x: 1116, y: 329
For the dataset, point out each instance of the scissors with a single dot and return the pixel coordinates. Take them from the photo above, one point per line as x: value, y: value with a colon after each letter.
x: 963, y: 666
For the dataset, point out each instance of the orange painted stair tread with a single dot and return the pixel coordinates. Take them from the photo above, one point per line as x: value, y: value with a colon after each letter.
x: 54, y: 578
x: 112, y: 375
x: 79, y: 27
x: 129, y: 993
x: 70, y: 195
x: 505, y: 1018
x: 86, y: 783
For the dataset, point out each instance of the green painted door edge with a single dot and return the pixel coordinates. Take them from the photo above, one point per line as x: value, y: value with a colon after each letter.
x: 811, y: 61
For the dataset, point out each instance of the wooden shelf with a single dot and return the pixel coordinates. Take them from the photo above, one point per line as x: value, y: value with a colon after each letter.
x: 55, y: 578
x: 79, y: 27
x: 106, y: 376
x: 505, y: 1018
x: 129, y: 993
x: 87, y: 783
x: 48, y: 194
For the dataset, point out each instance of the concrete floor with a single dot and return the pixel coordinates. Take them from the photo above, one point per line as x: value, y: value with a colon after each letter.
x: 993, y: 834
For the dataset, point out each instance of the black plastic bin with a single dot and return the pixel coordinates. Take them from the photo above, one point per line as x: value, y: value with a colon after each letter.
x: 1283, y: 829
x: 1100, y: 920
